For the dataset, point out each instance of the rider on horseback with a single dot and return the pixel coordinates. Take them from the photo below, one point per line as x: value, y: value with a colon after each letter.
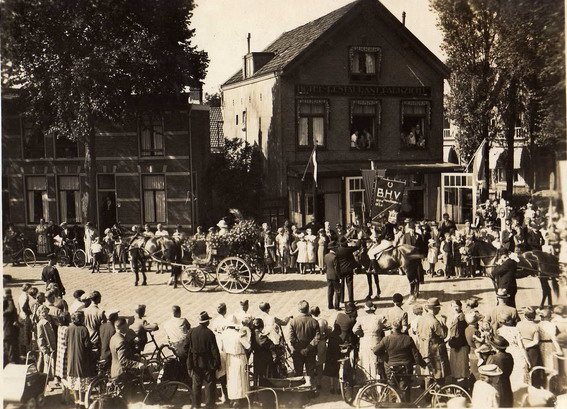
x: 388, y: 238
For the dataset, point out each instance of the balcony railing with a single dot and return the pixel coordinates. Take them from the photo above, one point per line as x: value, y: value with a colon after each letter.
x: 447, y: 133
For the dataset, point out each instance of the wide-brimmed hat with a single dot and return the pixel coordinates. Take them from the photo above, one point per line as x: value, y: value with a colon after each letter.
x: 499, y: 342
x: 490, y: 370
x: 350, y: 307
x: 204, y: 317
x: 433, y: 302
x: 222, y: 225
x: 502, y: 293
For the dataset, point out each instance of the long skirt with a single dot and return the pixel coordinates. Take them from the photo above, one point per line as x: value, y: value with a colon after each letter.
x: 320, y: 256
x: 519, y: 375
x: 237, y: 383
x: 546, y: 349
x: 368, y: 359
x: 42, y: 244
x: 459, y: 361
x: 61, y: 361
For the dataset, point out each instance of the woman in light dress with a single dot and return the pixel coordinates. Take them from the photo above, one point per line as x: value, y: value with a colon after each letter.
x: 234, y: 342
x: 282, y: 249
x: 370, y: 329
x: 548, y: 345
x: 311, y: 241
x: 301, y: 253
x: 42, y: 243
x: 519, y: 375
x: 90, y: 234
x: 322, y: 242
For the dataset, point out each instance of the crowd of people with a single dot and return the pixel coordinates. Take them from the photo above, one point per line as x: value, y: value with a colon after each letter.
x: 489, y: 355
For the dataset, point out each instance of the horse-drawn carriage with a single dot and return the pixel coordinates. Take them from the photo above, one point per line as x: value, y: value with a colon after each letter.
x: 233, y: 268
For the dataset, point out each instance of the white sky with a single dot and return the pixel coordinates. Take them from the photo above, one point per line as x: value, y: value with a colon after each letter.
x: 222, y: 25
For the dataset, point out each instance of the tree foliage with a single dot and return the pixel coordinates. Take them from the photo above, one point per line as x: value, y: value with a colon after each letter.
x: 79, y: 62
x: 236, y: 178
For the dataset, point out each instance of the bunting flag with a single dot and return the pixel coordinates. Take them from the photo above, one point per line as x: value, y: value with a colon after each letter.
x: 477, y: 162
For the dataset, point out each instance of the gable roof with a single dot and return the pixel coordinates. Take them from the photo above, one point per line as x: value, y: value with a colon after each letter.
x: 293, y: 43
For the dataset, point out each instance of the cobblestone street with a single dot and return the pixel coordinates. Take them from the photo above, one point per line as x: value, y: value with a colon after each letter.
x: 281, y: 291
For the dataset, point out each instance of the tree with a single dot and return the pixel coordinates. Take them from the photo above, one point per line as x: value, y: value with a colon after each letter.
x: 236, y: 178
x: 213, y: 100
x: 80, y: 62
x: 507, y: 61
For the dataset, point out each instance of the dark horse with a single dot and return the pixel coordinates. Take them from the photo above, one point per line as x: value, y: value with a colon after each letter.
x: 405, y: 258
x: 532, y: 263
x: 164, y: 249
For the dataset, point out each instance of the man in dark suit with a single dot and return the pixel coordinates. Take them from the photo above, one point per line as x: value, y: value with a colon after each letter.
x: 507, y: 236
x: 121, y: 351
x: 345, y: 322
x: 534, y: 239
x: 505, y: 276
x: 505, y: 362
x: 333, y: 271
x: 203, y: 360
x: 50, y: 274
x: 304, y: 336
x: 347, y: 265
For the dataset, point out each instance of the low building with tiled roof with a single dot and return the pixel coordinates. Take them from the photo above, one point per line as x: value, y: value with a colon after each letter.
x: 217, y: 134
x: 359, y: 88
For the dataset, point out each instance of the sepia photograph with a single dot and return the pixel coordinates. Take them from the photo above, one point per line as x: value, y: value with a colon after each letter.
x: 265, y: 204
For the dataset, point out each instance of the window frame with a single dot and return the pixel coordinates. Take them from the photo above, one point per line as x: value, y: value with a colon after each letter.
x: 22, y: 136
x: 45, y: 202
x: 299, y: 115
x: 377, y: 122
x: 426, y: 127
x: 364, y: 76
x: 79, y: 211
x: 152, y: 151
x: 55, y: 156
x: 143, y: 189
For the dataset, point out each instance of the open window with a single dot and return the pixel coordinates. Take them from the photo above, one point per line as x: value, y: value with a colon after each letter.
x: 364, y: 123
x: 33, y: 141
x: 364, y: 63
x: 415, y: 121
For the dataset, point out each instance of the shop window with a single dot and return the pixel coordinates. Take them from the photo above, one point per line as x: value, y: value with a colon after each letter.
x: 311, y: 122
x: 36, y: 199
x: 151, y: 135
x: 355, y: 199
x: 69, y: 199
x: 154, y: 198
x: 66, y: 148
x: 364, y: 63
x: 33, y: 141
x: 415, y: 119
x: 364, y: 118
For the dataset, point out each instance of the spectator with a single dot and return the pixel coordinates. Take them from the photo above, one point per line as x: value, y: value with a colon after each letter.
x: 505, y: 362
x: 77, y: 304
x: 447, y: 225
x: 94, y: 317
x: 263, y: 349
x: 304, y: 339
x: 61, y: 360
x: 107, y: 331
x: 90, y: 234
x: 519, y: 374
x: 396, y: 313
x: 141, y: 327
x: 459, y: 350
x: 324, y: 330
x: 177, y: 330
x: 347, y: 265
x: 334, y: 277
x: 50, y: 274
x: 243, y: 315
x: 46, y: 341
x: 485, y: 393
x: 96, y: 253
x: 502, y: 312
x: 203, y: 360
x: 41, y: 233
x: 529, y: 331
x: 235, y: 342
x: 370, y: 329
x: 11, y: 329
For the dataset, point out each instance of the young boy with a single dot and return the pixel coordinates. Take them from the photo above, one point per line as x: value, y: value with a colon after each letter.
x: 96, y: 250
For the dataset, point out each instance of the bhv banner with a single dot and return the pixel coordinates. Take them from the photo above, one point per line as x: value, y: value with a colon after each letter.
x: 389, y: 194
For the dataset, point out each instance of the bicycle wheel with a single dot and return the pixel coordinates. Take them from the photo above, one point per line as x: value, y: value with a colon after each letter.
x: 62, y: 257
x: 29, y: 257
x: 440, y: 397
x: 80, y: 258
x: 95, y: 390
x: 346, y: 382
x: 108, y: 402
x: 376, y: 393
x: 174, y: 393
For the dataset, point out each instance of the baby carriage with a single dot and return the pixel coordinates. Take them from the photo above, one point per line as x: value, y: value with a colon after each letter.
x: 24, y: 386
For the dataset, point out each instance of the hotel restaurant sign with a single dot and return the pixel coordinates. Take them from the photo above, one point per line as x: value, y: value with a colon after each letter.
x: 362, y: 91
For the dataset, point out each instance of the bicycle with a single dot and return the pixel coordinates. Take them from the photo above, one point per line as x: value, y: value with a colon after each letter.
x: 379, y: 393
x: 145, y: 386
x: 71, y: 253
x: 162, y: 352
x: 23, y: 253
x: 351, y: 375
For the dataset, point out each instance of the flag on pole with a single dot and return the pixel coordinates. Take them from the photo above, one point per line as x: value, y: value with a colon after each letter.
x: 477, y: 162
x: 314, y: 160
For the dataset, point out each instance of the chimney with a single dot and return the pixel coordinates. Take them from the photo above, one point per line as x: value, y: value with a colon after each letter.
x: 403, y: 22
x: 248, y: 40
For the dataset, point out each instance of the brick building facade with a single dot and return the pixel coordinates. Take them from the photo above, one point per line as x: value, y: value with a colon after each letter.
x: 143, y: 167
x: 362, y: 88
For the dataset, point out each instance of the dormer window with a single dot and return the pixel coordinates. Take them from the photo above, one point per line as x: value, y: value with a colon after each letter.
x: 364, y: 63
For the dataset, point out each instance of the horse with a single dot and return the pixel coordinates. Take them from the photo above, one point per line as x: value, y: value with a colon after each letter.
x: 531, y: 263
x: 405, y: 258
x: 162, y: 248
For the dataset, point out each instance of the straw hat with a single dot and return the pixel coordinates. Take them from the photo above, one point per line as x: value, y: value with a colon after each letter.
x: 222, y: 224
x: 433, y: 302
x: 502, y: 293
x: 489, y: 370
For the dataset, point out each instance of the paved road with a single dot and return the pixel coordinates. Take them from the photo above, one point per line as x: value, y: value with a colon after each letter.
x: 282, y: 291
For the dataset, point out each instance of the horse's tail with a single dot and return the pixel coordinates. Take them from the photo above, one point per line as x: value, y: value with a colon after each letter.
x: 555, y: 286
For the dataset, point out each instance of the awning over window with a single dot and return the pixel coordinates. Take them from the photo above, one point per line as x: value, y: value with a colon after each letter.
x: 498, y: 157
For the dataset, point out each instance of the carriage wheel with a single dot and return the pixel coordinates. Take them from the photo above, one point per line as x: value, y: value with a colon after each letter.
x: 95, y: 390
x: 234, y: 275
x: 446, y: 393
x: 29, y: 257
x: 62, y: 257
x: 80, y: 258
x: 258, y: 272
x: 376, y: 393
x: 193, y: 279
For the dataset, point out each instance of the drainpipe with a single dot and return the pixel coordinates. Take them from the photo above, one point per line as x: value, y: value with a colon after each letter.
x: 192, y: 195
